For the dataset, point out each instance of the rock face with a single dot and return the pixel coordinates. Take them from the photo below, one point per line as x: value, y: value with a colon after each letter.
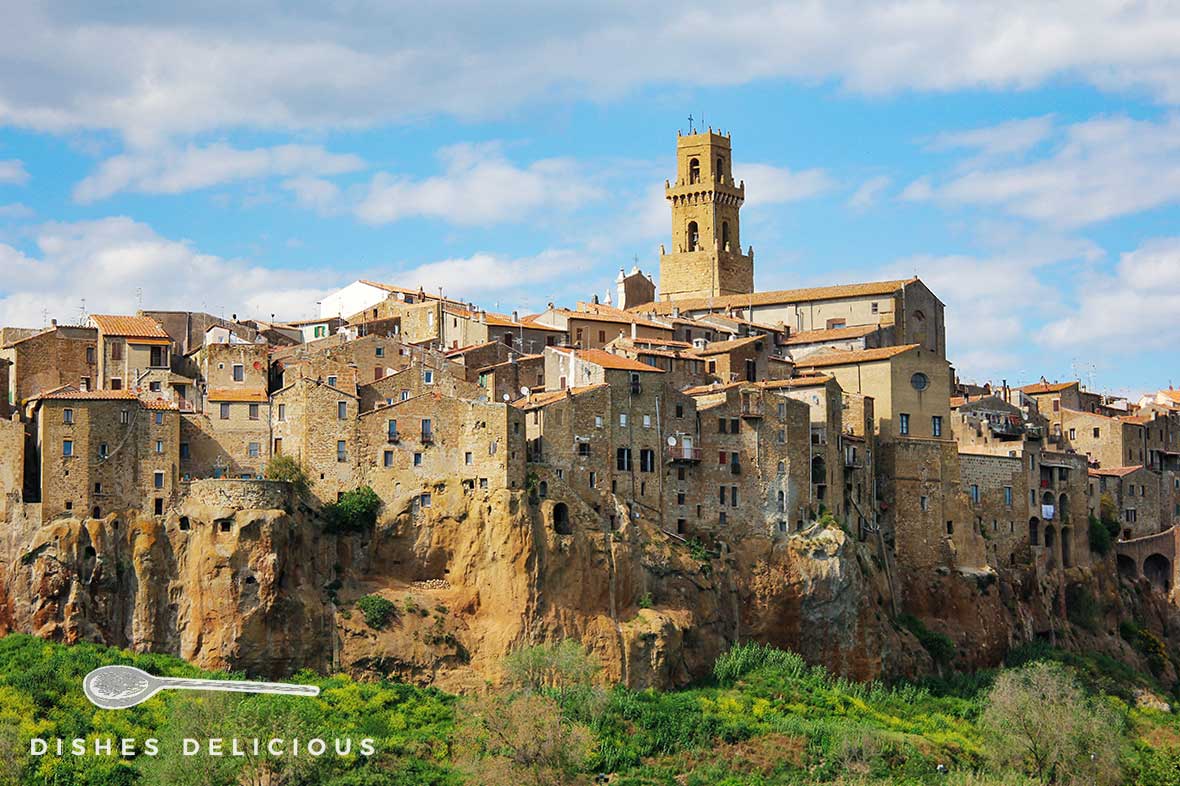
x: 264, y: 590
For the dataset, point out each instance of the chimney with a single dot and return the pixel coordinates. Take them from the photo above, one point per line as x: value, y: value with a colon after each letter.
x: 515, y: 316
x: 53, y: 322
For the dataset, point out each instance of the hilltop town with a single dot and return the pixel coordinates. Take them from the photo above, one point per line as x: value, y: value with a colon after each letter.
x: 608, y: 450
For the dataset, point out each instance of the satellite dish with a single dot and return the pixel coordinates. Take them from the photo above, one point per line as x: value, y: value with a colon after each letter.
x: 671, y: 442
x: 524, y: 391
x: 507, y: 397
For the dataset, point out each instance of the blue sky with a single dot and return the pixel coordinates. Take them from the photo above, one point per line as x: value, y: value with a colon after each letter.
x: 238, y: 159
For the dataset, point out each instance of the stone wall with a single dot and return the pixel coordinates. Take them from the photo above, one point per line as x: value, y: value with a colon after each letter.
x: 238, y: 494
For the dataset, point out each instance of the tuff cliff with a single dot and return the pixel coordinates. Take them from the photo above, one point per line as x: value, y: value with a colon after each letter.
x: 250, y: 581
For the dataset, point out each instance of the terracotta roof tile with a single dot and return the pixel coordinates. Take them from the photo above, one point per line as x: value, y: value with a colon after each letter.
x: 721, y: 347
x: 129, y: 327
x: 1038, y: 388
x: 852, y: 357
x: 537, y: 400
x: 609, y: 360
x: 808, y: 381
x: 778, y: 296
x: 1117, y: 472
x: 91, y: 395
x: 831, y: 334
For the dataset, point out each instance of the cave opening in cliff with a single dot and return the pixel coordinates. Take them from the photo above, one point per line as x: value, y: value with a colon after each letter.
x: 561, y: 519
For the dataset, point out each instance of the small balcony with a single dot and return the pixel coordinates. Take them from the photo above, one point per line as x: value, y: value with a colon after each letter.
x: 393, y: 438
x: 427, y: 438
x: 735, y: 468
x: 684, y: 454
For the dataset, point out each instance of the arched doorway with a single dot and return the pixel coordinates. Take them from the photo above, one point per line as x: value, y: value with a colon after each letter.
x: 1062, y: 509
x: 561, y: 519
x: 1050, y: 547
x: 1158, y: 570
x: 1034, y: 531
x: 1066, y: 545
x: 1126, y: 567
x: 819, y: 477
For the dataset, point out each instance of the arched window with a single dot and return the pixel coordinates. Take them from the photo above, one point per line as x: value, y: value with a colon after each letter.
x: 725, y: 235
x: 719, y: 175
x: 561, y: 519
x: 782, y: 468
x: 782, y: 502
x: 543, y: 489
x: 694, y: 236
x: 1034, y: 537
x: 694, y: 171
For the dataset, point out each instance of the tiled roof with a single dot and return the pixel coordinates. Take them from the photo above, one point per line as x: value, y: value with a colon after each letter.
x: 831, y: 334
x: 776, y: 297
x: 1117, y: 472
x: 853, y: 357
x: 253, y: 395
x: 536, y: 400
x: 464, y: 350
x: 661, y: 342
x: 1038, y: 388
x: 609, y: 360
x: 714, y: 387
x: 1174, y: 395
x: 157, y: 403
x: 92, y: 395
x: 129, y: 327
x: 619, y: 318
x: 807, y: 381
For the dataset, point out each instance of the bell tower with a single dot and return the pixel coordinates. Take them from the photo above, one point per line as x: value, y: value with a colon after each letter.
x: 706, y: 259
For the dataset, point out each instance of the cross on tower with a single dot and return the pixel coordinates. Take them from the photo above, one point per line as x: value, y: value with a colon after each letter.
x: 690, y: 129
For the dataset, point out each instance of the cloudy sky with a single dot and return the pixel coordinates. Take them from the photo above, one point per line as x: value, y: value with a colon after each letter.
x: 1023, y: 158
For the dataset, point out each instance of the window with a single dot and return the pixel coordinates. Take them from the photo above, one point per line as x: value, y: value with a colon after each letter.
x: 920, y: 381
x: 184, y: 454
x: 341, y: 451
x: 331, y: 380
x: 116, y: 350
x: 224, y: 409
x: 239, y: 372
x: 125, y: 416
x: 647, y: 460
x: 417, y: 459
x: 387, y: 458
x: 116, y: 383
x: 67, y: 447
x: 647, y: 421
x: 721, y: 423
x: 622, y: 419
x: 782, y: 410
x: 598, y: 421
x: 936, y: 425
x: 1073, y: 434
x: 159, y: 446
x: 733, y: 496
x: 159, y: 418
x: 158, y: 480
x: 721, y: 495
x: 694, y: 236
x: 253, y: 450
x: 722, y: 458
x: 341, y: 410
x: 253, y: 412
x: 282, y: 412
x: 583, y: 448
x: 380, y: 351
x: 468, y: 458
x: 974, y: 494
x: 734, y: 425
x: 679, y: 410
x: 781, y: 437
x: 623, y: 459
x: 924, y: 502
x: 903, y: 423
x: 84, y: 383
x: 90, y: 355
x: 602, y: 336
x: 1008, y: 496
x: 1056, y: 405
x: 427, y: 430
x: 874, y: 308
x: 428, y: 377
x: 404, y: 395
x: 391, y: 430
x: 1096, y: 433
x: 67, y: 416
x: 424, y: 500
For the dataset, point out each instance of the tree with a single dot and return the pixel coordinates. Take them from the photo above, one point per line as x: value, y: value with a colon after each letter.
x: 355, y: 512
x: 287, y: 468
x: 519, y: 739
x: 1108, y: 513
x: 1038, y: 721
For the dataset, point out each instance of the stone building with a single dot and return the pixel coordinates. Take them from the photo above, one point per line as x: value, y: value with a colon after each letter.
x: 706, y: 259
x: 134, y: 353
x: 317, y: 424
x: 508, y: 380
x: 46, y: 360
x: 413, y: 448
x: 1105, y: 441
x: 842, y: 339
x: 415, y: 380
x: 910, y: 387
x: 12, y: 464
x: 594, y: 330
x: 746, y: 359
x: 634, y: 288
x: 1136, y: 493
x: 106, y: 451
x: 229, y: 437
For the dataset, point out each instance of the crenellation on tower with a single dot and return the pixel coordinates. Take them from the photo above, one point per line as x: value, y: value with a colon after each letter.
x: 706, y: 259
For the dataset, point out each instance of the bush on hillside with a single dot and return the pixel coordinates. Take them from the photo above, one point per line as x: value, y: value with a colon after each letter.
x: 939, y: 645
x: 743, y: 659
x: 378, y: 611
x: 355, y: 512
x: 1100, y: 538
x: 288, y: 469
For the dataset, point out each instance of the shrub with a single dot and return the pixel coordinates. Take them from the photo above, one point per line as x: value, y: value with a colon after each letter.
x: 742, y: 659
x: 355, y: 512
x: 645, y: 601
x: 939, y: 645
x: 1100, y: 538
x: 378, y: 611
x: 288, y: 469
x: 1080, y: 606
x: 1146, y: 644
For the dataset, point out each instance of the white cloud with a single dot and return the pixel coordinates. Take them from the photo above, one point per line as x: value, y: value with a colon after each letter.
x: 1131, y: 309
x: 15, y: 210
x: 767, y: 184
x: 314, y: 193
x: 479, y: 186
x: 1013, y: 136
x: 12, y: 172
x: 159, y: 70
x: 869, y: 192
x: 108, y: 260
x: 482, y: 275
x: 167, y: 170
x: 1099, y: 169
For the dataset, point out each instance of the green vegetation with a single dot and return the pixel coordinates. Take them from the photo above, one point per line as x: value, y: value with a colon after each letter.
x: 355, y: 512
x: 766, y: 719
x: 939, y: 645
x: 288, y: 468
x: 1100, y: 537
x: 378, y: 611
